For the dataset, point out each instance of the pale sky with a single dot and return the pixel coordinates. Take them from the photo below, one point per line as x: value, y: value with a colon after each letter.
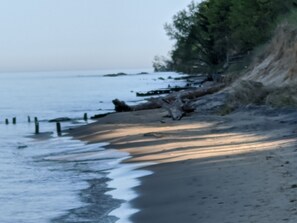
x: 38, y: 35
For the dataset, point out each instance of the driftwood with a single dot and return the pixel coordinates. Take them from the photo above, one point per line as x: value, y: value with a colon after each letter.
x: 174, y: 109
x: 121, y: 106
x: 177, y: 103
x: 196, y: 93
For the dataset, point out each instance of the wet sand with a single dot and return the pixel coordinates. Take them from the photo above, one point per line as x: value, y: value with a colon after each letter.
x: 210, y: 169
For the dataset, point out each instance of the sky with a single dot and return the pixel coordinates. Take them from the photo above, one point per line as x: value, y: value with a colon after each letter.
x: 44, y: 35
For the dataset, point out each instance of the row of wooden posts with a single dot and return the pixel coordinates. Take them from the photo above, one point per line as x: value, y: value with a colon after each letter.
x: 36, y: 122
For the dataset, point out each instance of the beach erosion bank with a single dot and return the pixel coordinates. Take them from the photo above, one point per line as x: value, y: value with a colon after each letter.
x: 208, y: 168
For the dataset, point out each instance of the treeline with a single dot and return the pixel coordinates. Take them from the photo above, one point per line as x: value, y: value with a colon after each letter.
x: 208, y: 34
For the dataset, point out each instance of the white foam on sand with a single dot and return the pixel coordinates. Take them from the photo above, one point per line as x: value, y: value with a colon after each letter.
x: 123, y: 181
x: 124, y: 177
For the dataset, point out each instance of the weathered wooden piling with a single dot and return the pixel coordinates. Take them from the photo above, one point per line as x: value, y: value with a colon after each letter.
x: 14, y: 120
x: 36, y: 127
x: 59, y: 131
x: 6, y: 121
x: 85, y: 116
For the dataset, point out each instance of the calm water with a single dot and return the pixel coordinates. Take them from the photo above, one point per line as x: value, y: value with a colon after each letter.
x: 60, y: 179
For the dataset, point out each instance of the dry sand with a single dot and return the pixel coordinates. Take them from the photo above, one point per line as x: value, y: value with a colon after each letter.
x: 211, y: 169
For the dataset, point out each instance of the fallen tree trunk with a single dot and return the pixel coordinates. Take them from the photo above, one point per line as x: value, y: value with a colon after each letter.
x: 121, y: 106
x: 174, y: 103
x: 196, y: 93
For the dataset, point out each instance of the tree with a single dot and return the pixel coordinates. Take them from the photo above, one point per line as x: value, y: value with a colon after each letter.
x: 161, y: 64
x: 207, y: 33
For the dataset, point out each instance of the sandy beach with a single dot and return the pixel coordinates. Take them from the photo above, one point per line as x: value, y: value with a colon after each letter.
x: 209, y: 168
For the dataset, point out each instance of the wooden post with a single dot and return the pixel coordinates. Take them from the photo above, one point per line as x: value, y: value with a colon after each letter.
x: 36, y: 127
x: 29, y: 119
x: 14, y: 120
x: 6, y: 121
x: 58, y: 124
x: 85, y: 116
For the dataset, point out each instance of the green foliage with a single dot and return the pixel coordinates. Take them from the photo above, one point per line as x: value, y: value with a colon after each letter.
x: 291, y: 18
x: 161, y: 64
x: 282, y: 97
x: 252, y: 20
x: 208, y: 34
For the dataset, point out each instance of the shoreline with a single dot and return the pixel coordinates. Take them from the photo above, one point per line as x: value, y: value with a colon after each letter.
x: 235, y: 168
x: 123, y: 179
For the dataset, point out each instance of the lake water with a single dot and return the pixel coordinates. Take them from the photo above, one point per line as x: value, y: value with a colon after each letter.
x: 56, y: 179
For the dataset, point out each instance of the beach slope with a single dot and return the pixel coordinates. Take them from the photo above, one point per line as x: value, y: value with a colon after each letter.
x: 209, y: 168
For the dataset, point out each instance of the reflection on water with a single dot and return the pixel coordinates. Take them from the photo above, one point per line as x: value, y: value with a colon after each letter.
x: 97, y: 206
x: 92, y: 169
x: 104, y: 184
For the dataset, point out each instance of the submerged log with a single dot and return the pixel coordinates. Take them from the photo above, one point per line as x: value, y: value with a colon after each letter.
x: 101, y: 115
x: 61, y: 119
x: 160, y: 91
x: 175, y: 103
